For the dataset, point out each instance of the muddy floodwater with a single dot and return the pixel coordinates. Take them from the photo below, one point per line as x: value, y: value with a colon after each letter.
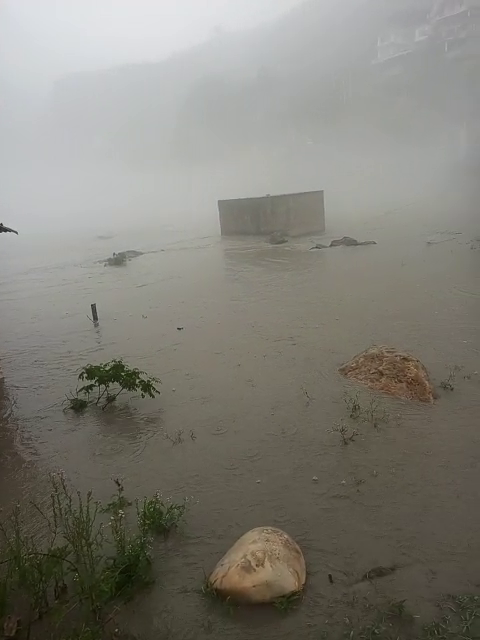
x: 250, y: 394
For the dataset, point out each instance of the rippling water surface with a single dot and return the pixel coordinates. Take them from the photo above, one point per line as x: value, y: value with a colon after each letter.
x: 251, y: 385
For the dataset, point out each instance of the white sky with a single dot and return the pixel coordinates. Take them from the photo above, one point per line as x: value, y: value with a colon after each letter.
x: 43, y: 39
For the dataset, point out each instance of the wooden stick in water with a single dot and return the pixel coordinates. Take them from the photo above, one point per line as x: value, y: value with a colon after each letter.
x: 94, y: 313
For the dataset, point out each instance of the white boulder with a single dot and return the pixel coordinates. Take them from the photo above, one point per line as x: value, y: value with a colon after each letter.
x: 262, y: 566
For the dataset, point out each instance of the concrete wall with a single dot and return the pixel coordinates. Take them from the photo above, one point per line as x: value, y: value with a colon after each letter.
x: 295, y: 214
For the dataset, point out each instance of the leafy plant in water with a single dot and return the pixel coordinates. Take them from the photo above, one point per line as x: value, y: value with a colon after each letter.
x: 105, y: 382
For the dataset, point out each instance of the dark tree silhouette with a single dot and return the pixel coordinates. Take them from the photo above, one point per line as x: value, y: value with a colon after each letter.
x: 4, y: 229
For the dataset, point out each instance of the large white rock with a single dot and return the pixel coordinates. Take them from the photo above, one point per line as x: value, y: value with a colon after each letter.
x: 263, y: 565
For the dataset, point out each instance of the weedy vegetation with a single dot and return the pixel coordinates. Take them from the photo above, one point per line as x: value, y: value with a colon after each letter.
x: 371, y: 411
x: 448, y: 384
x: 82, y: 560
x: 346, y: 434
x: 208, y: 589
x: 354, y: 408
x: 375, y: 414
x: 288, y: 603
x: 459, y: 619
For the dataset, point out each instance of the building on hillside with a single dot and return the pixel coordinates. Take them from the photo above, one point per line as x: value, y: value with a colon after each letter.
x: 432, y: 56
x: 450, y: 27
x: 407, y: 34
x: 456, y: 25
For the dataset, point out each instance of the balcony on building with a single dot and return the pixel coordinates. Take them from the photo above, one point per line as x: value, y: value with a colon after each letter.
x: 395, y: 44
x: 446, y: 10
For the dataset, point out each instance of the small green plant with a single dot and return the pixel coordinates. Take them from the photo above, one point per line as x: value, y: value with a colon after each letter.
x: 289, y: 602
x: 158, y: 516
x: 448, y: 384
x: 105, y: 382
x: 347, y: 436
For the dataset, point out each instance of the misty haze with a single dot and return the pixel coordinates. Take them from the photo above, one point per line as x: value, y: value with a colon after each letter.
x: 239, y: 289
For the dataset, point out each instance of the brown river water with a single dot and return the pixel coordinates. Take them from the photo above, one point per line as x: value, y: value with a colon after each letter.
x: 251, y: 386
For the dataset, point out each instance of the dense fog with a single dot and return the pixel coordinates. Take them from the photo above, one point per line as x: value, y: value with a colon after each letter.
x: 113, y: 111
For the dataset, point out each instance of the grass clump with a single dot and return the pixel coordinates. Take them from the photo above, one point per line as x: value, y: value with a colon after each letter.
x: 215, y: 598
x: 105, y: 382
x: 208, y: 589
x: 289, y: 602
x: 82, y: 559
x: 158, y: 516
x: 459, y: 619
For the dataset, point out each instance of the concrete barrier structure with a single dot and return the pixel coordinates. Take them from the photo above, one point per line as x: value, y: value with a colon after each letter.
x: 294, y: 214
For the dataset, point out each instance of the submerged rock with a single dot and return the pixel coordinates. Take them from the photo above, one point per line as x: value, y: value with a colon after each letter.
x: 119, y: 259
x: 278, y: 237
x: 346, y: 241
x: 390, y: 371
x: 262, y: 566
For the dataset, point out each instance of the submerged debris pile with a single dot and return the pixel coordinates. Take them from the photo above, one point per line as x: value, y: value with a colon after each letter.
x: 390, y: 371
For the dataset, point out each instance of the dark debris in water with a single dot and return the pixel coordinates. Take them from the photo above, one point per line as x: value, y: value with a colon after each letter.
x: 379, y: 572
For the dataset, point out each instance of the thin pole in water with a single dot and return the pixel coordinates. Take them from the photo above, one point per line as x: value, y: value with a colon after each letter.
x: 94, y: 313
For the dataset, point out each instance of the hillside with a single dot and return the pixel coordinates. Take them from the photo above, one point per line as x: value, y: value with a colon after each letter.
x: 237, y: 89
